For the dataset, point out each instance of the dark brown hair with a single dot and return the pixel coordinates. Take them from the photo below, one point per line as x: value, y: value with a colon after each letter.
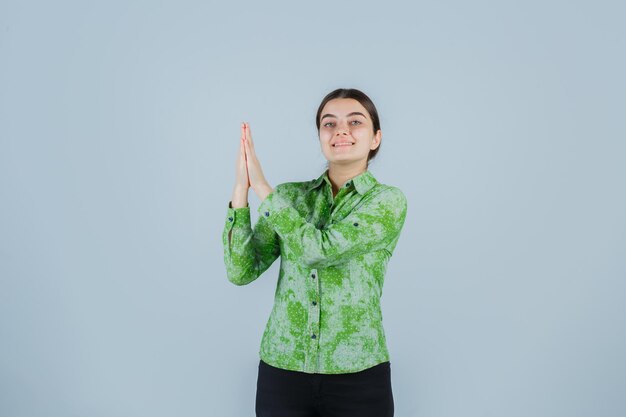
x: 365, y: 101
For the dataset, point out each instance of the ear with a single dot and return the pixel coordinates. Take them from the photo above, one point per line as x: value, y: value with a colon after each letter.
x: 376, y: 139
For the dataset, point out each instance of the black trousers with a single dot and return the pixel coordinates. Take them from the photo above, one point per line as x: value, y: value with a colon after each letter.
x: 285, y: 393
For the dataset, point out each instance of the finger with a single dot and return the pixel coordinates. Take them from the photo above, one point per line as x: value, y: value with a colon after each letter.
x: 243, y: 149
x: 243, y: 130
x: 241, y: 137
x: 249, y: 137
x: 246, y: 146
x: 249, y: 152
x: 243, y: 163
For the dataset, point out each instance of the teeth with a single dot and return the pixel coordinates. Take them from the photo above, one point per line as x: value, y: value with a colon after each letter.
x: 342, y: 144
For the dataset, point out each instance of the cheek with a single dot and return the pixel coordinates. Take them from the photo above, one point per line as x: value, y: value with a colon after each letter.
x: 324, y: 136
x: 362, y: 130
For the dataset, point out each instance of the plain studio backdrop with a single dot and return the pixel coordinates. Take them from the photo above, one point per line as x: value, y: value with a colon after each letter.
x: 504, y: 123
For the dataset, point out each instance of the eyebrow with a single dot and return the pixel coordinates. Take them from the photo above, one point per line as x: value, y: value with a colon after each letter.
x: 354, y: 113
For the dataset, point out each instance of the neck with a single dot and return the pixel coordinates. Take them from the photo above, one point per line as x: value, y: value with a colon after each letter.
x: 339, y: 174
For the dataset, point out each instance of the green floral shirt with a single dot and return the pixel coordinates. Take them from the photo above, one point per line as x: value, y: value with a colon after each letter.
x: 334, y: 253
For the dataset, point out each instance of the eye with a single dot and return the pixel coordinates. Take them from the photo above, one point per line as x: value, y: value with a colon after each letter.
x: 358, y: 122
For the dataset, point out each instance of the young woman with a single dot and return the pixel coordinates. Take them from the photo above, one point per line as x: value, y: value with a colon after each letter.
x: 323, y: 351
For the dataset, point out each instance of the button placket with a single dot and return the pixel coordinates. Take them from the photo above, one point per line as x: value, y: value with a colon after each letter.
x: 314, y: 321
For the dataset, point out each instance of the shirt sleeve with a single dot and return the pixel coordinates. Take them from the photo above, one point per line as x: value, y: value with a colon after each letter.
x: 247, y: 252
x: 374, y: 224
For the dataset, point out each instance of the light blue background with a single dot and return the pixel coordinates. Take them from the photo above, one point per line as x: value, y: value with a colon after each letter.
x: 503, y: 122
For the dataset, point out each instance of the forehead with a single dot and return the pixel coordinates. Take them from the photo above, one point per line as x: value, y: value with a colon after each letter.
x: 342, y: 106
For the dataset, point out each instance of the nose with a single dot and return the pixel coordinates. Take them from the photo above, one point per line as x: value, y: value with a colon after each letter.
x: 342, y: 129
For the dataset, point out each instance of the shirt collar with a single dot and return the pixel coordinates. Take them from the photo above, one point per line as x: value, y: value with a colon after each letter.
x: 362, y: 182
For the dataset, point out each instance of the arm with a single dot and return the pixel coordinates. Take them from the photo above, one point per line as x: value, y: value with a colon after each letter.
x: 247, y: 253
x: 373, y: 225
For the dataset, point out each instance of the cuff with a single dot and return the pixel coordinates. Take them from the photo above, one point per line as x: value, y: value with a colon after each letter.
x: 273, y: 204
x: 239, y: 216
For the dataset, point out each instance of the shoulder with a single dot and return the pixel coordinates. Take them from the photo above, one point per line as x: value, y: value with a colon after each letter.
x: 292, y: 185
x: 292, y: 189
x: 389, y: 192
x: 388, y: 200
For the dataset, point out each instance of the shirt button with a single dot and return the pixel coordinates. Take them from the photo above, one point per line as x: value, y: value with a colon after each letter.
x: 230, y: 219
x: 313, y: 276
x: 314, y: 303
x: 267, y: 214
x: 313, y: 336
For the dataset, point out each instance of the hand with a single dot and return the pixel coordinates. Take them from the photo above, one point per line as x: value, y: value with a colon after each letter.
x: 255, y: 174
x: 241, y: 170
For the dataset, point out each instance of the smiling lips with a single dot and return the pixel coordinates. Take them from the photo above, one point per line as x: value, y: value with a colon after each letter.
x: 338, y: 144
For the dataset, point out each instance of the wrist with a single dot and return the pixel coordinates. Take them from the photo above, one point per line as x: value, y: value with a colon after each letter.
x: 241, y: 189
x: 263, y: 191
x: 240, y: 197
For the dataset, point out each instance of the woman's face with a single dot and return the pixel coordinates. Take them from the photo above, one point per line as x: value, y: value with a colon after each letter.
x: 345, y: 121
